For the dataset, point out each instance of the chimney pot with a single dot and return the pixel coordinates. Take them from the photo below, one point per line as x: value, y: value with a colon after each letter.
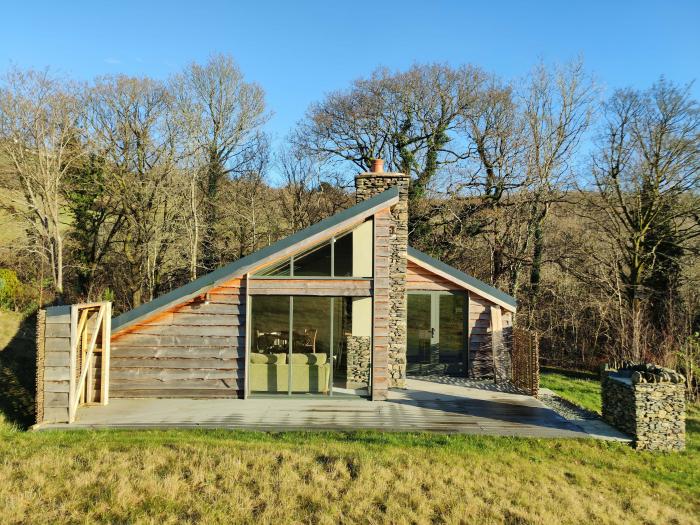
x: 377, y: 165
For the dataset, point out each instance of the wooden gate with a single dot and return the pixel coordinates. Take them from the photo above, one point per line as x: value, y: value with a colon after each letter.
x: 89, y: 355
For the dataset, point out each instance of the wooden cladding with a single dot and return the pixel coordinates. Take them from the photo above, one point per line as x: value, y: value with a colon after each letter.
x: 382, y: 289
x: 53, y: 364
x: 309, y: 286
x: 72, y: 345
x: 480, y: 358
x: 419, y: 278
x: 195, y: 350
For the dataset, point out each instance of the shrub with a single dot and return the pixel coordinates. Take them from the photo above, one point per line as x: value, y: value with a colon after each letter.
x: 10, y: 289
x: 16, y: 295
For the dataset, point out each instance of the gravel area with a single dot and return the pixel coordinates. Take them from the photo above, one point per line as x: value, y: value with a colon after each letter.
x: 565, y: 408
x: 561, y: 406
x: 481, y: 384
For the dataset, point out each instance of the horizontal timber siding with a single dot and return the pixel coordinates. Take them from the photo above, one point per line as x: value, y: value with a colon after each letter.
x: 194, y: 350
x: 418, y: 278
x: 480, y: 352
x: 55, y: 334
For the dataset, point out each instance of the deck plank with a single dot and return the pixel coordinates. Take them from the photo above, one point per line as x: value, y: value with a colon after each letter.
x: 423, y: 406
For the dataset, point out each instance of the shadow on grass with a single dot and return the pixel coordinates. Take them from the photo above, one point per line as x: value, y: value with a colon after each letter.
x: 18, y: 376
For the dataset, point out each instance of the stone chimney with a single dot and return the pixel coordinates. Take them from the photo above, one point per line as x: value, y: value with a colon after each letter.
x: 392, y: 348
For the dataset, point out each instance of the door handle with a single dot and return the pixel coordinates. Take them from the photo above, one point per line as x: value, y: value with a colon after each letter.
x: 432, y: 333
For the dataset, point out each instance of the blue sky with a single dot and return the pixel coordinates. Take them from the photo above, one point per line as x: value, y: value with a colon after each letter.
x: 300, y: 50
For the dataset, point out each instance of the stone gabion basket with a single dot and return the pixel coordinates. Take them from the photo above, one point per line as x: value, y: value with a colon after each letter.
x: 648, y: 402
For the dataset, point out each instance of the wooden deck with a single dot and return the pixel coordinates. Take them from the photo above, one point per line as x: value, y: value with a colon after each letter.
x: 424, y: 407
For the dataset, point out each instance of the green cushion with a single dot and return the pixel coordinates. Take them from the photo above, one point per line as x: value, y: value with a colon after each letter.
x: 268, y: 359
x: 309, y: 359
x: 275, y: 378
x: 268, y: 378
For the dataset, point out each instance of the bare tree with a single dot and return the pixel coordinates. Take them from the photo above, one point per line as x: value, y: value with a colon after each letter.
x: 411, y: 119
x: 250, y: 219
x: 38, y: 134
x: 480, y: 197
x: 645, y: 208
x: 132, y: 126
x: 557, y: 112
x: 223, y: 115
x: 301, y: 197
x: 523, y: 136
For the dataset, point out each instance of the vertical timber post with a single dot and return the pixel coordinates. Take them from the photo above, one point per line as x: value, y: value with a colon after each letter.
x: 73, y: 357
x: 106, y: 350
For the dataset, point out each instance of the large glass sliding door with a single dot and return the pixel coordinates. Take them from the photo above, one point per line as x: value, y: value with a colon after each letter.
x: 311, y: 355
x: 352, y: 317
x: 267, y: 370
x: 310, y: 345
x: 437, y: 333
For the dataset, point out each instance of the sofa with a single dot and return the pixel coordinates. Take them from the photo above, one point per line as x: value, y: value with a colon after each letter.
x: 270, y: 372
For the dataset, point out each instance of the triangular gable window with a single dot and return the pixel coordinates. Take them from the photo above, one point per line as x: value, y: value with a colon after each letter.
x: 348, y: 254
x: 315, y: 262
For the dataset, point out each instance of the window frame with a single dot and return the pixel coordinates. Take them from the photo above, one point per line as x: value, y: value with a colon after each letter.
x: 304, y: 251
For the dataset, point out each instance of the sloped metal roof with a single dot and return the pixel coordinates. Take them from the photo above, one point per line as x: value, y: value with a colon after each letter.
x: 239, y: 267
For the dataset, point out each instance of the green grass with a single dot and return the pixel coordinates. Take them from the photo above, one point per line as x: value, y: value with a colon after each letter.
x: 221, y: 476
x: 248, y: 477
x: 581, y: 391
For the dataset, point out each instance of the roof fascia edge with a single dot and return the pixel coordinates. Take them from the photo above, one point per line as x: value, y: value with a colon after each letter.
x: 240, y: 267
x: 416, y: 258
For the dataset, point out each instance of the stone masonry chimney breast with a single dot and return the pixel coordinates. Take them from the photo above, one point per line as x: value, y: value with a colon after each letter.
x: 368, y: 185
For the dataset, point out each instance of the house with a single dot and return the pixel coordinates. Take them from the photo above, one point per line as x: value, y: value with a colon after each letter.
x: 344, y: 307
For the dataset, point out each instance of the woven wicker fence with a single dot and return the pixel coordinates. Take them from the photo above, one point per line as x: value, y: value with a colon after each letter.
x: 525, y: 368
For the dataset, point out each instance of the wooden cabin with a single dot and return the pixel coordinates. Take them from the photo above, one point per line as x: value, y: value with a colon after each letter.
x: 342, y: 308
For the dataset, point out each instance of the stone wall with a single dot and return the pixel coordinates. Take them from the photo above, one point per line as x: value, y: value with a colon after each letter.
x: 648, y: 403
x: 367, y: 185
x: 359, y: 354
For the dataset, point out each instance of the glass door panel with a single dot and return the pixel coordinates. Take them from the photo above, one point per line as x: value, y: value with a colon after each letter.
x: 269, y: 345
x: 419, y: 330
x: 311, y: 344
x: 452, y: 325
x: 352, y: 351
x: 436, y: 333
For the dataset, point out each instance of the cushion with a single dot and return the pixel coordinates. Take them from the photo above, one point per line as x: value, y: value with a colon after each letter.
x: 267, y: 359
x: 309, y: 359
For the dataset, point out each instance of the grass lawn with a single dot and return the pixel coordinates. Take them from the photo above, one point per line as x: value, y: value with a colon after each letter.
x: 369, y: 477
x: 579, y: 389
